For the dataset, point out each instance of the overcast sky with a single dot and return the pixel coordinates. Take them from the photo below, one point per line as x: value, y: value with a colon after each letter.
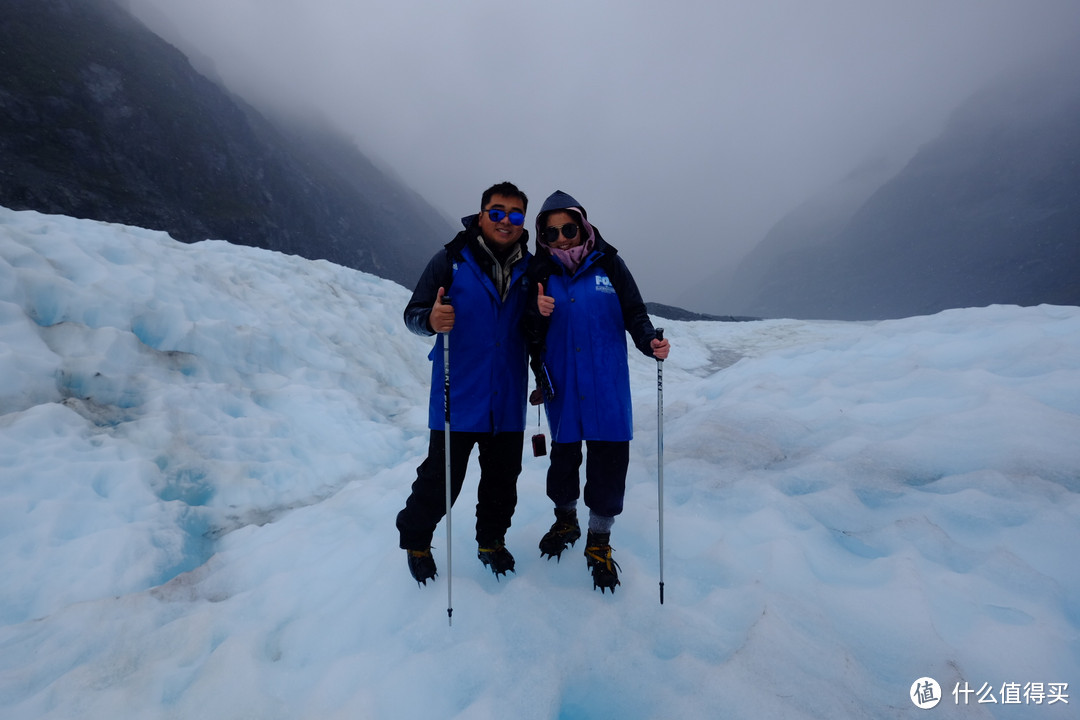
x: 686, y: 128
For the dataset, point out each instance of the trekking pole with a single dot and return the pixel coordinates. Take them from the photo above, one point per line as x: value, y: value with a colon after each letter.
x: 446, y: 451
x: 660, y: 456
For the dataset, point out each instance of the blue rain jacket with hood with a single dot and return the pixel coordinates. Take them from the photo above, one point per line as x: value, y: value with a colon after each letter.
x: 582, y: 345
x: 489, y: 372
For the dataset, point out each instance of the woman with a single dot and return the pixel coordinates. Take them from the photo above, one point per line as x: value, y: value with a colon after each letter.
x: 585, y: 302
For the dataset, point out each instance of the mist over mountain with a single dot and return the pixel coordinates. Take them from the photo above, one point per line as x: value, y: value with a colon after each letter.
x: 987, y: 213
x: 807, y: 228
x: 102, y: 119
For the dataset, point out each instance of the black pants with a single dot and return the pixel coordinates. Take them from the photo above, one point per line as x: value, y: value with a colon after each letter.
x: 605, y: 475
x: 500, y: 465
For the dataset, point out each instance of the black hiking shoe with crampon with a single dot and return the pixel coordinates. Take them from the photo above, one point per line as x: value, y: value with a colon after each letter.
x: 496, y: 557
x: 605, y: 571
x: 421, y: 565
x: 564, y: 531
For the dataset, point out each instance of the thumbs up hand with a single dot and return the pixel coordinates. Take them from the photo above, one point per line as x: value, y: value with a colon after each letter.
x: 545, y: 304
x: 441, y: 318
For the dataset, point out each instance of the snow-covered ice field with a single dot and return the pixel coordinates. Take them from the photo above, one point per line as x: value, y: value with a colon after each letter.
x: 203, y: 447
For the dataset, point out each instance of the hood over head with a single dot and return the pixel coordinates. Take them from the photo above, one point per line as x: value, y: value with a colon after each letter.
x: 559, y: 200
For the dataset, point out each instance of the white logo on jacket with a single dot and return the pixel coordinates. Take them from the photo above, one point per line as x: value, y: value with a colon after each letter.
x: 603, y: 284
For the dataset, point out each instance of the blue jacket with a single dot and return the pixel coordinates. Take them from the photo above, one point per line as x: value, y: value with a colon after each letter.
x: 583, y: 343
x: 488, y: 353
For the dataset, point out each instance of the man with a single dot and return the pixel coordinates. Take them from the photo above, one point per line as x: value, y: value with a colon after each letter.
x: 482, y: 272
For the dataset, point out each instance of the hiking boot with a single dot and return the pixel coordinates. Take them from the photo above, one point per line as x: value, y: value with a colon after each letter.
x: 496, y: 557
x: 421, y: 565
x: 605, y: 571
x: 564, y: 531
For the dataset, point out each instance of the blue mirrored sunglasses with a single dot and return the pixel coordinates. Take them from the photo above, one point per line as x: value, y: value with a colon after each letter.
x: 497, y: 215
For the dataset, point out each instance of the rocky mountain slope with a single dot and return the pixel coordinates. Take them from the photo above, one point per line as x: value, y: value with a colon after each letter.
x: 102, y: 119
x: 988, y: 213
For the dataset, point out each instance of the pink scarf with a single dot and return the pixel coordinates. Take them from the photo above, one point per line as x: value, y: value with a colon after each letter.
x: 573, y: 257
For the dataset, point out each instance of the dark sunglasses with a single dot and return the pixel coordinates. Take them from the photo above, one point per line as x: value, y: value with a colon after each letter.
x: 497, y: 215
x: 551, y: 234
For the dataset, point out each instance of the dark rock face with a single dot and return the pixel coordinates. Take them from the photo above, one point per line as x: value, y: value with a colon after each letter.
x: 672, y: 312
x: 988, y: 213
x: 101, y: 119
